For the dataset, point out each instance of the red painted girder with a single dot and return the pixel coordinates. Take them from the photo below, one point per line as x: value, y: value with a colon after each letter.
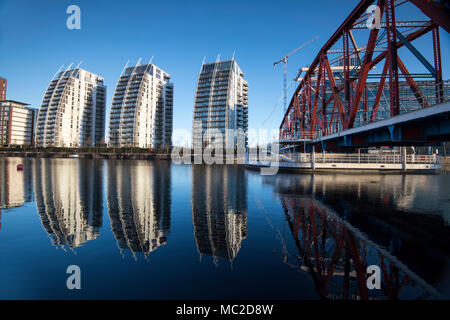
x: 391, y: 35
x: 379, y: 92
x: 334, y: 89
x: 435, y: 11
x: 316, y: 99
x: 347, y: 91
x: 400, y: 44
x: 346, y: 25
x: 364, y: 70
x: 413, y: 85
x: 438, y: 65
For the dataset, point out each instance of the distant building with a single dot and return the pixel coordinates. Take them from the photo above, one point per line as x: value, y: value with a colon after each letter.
x: 16, y: 123
x: 2, y: 89
x: 407, y: 98
x: 408, y: 101
x: 72, y: 112
x: 142, y: 109
x: 221, y: 102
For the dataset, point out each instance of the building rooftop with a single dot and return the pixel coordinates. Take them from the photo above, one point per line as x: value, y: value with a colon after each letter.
x: 15, y: 102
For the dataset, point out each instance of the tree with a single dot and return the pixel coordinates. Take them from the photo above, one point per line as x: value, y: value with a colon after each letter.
x: 88, y: 142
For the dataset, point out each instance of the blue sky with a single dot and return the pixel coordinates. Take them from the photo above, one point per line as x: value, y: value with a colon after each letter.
x: 34, y: 43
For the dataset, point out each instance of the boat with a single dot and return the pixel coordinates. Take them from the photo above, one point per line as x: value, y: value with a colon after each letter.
x: 19, y: 167
x: 73, y: 156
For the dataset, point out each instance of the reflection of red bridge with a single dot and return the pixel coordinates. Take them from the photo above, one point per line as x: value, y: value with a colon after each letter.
x: 335, y: 105
x: 337, y: 255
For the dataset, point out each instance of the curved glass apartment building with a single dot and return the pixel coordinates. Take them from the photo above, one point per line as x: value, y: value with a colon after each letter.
x: 221, y: 102
x: 142, y: 109
x: 72, y: 113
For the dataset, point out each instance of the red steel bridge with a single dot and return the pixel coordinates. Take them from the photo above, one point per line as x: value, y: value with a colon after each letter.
x: 359, y: 92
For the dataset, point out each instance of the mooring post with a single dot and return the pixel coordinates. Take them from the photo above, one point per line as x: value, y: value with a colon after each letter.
x: 404, y: 158
x: 313, y: 159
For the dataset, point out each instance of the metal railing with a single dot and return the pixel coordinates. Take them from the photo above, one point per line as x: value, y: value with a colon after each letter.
x: 390, y: 158
x: 363, y: 158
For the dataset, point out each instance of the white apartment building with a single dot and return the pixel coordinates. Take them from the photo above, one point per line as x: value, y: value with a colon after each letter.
x: 16, y: 123
x: 142, y: 109
x: 72, y: 112
x: 221, y: 102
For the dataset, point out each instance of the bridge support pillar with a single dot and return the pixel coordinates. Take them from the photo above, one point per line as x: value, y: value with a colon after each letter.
x: 403, y: 151
x: 313, y: 159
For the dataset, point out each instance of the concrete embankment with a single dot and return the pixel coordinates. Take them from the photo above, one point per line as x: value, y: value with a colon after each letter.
x: 85, y: 155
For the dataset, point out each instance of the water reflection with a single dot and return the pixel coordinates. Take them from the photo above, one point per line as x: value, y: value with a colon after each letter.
x: 138, y: 197
x: 219, y: 209
x: 334, y: 226
x: 15, y: 186
x: 398, y: 192
x: 337, y: 256
x: 68, y: 196
x: 406, y: 214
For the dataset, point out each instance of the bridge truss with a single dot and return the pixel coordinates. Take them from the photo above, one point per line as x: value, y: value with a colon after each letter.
x: 352, y: 84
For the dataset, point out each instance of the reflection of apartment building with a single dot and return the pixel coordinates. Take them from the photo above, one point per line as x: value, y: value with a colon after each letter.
x: 138, y: 198
x: 142, y: 109
x: 69, y: 200
x: 221, y: 102
x: 16, y: 123
x: 72, y: 113
x: 3, y: 83
x: 219, y: 210
x: 15, y: 186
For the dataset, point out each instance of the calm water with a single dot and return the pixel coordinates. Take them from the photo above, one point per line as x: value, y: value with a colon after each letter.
x: 141, y: 229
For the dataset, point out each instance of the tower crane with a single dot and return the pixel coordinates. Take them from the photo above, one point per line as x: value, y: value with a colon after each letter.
x: 285, y: 60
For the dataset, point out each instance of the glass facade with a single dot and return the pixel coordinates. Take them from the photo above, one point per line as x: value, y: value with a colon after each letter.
x: 221, y: 102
